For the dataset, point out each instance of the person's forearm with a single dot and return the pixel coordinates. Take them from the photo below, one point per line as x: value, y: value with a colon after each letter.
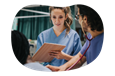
x: 71, y: 62
x: 67, y: 57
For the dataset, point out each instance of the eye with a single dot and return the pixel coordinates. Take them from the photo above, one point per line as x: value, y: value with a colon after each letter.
x: 54, y: 17
x: 78, y: 15
x: 60, y: 17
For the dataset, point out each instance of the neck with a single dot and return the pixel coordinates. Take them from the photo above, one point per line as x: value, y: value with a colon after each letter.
x: 58, y: 29
x: 95, y: 33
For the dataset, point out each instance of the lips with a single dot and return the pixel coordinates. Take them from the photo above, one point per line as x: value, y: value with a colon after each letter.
x: 57, y: 24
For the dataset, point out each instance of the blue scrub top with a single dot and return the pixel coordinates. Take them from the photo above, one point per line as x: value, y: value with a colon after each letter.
x: 94, y: 49
x: 71, y: 41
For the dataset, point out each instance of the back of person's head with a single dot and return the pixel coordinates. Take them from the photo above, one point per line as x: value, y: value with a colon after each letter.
x: 93, y: 18
x: 69, y: 20
x: 20, y: 46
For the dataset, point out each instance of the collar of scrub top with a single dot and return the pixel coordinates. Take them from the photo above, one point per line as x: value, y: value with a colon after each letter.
x: 83, y: 53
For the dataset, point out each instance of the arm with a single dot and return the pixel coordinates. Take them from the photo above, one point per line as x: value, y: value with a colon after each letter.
x: 73, y: 60
x: 67, y: 57
x: 60, y: 55
x: 69, y: 63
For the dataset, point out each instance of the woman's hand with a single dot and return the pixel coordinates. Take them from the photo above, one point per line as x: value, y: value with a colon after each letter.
x: 57, y: 54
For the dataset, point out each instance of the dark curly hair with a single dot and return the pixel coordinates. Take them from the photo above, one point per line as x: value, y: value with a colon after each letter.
x: 20, y: 46
x: 93, y: 18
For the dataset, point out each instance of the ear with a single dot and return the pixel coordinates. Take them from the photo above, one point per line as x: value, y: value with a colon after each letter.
x: 85, y: 18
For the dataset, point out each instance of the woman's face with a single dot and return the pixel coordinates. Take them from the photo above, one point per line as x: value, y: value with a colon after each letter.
x: 58, y: 17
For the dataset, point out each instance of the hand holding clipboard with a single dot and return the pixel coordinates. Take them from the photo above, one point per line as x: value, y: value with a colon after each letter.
x: 43, y: 53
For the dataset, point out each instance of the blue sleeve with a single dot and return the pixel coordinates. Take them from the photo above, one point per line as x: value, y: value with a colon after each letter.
x: 83, y: 48
x: 39, y: 42
x: 77, y: 44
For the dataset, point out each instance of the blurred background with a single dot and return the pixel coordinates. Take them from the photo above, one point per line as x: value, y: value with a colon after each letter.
x: 33, y: 19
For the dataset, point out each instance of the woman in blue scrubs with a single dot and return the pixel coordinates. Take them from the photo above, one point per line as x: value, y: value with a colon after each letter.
x: 62, y: 34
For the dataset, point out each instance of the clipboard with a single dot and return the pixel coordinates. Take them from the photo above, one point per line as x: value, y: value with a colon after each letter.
x: 42, y: 54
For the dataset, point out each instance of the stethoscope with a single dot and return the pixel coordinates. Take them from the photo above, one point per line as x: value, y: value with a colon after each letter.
x: 84, y: 52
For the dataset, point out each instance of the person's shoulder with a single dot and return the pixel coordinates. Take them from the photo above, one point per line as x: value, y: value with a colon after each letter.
x: 46, y: 31
x: 73, y: 31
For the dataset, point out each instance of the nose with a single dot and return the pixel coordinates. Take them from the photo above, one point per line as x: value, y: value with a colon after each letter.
x: 57, y: 20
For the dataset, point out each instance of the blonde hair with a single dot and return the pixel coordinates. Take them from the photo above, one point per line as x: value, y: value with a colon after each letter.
x: 69, y: 20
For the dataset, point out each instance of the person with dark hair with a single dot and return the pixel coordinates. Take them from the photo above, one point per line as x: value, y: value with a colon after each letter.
x: 62, y: 34
x: 91, y: 23
x: 20, y: 47
x: 93, y: 19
